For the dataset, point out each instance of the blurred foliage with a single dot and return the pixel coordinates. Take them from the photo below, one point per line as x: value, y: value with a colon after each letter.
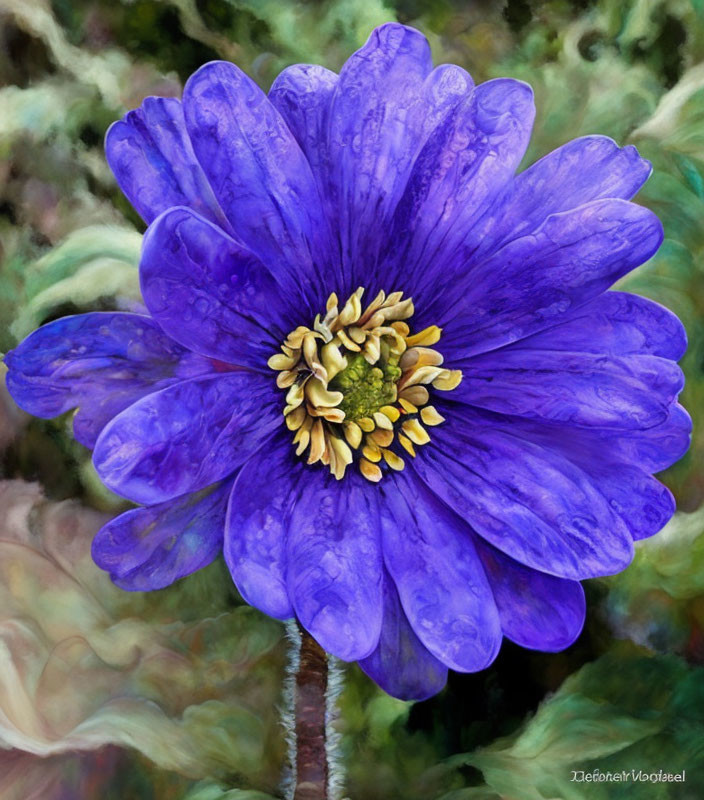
x: 186, y: 676
x: 174, y: 694
x: 659, y: 601
x: 626, y: 711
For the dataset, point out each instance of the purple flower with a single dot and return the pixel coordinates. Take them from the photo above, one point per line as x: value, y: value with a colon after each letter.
x: 380, y: 369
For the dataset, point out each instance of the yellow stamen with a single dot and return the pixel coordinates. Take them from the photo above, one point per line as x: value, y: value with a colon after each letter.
x: 343, y: 455
x: 327, y: 458
x: 401, y: 309
x: 294, y: 397
x: 407, y: 445
x: 371, y: 452
x: 302, y: 436
x: 332, y: 359
x: 295, y: 339
x: 418, y: 395
x: 391, y: 412
x: 409, y: 408
x: 370, y: 471
x: 348, y: 343
x: 448, y: 380
x: 382, y: 438
x: 336, y: 415
x: 431, y: 416
x: 376, y: 303
x: 382, y: 421
x: 357, y: 335
x: 420, y: 375
x: 296, y: 418
x: 353, y: 434
x: 416, y: 357
x: 282, y: 361
x: 372, y: 349
x: 394, y: 461
x: 350, y: 313
x: 286, y: 378
x: 312, y: 359
x: 317, y: 442
x: 317, y: 395
x: 401, y: 328
x: 426, y: 337
x: 415, y: 431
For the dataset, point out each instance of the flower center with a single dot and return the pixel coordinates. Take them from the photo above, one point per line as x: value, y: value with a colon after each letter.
x: 357, y: 383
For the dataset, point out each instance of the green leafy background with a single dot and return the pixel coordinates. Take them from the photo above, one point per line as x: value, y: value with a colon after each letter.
x: 174, y: 694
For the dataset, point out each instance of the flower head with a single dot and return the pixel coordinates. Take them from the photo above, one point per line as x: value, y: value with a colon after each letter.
x: 380, y: 369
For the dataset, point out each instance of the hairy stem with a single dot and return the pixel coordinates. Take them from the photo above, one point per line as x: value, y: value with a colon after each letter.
x: 314, y: 683
x: 310, y: 729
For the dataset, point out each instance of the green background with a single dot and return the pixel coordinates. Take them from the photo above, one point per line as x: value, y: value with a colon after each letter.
x: 174, y: 694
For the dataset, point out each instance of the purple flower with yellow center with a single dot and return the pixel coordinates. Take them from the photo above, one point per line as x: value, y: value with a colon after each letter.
x: 379, y: 369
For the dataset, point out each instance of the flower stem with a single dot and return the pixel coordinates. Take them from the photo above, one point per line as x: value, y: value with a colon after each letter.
x: 310, y: 728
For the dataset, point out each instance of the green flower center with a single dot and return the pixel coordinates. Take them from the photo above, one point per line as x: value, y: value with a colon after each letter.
x: 365, y: 387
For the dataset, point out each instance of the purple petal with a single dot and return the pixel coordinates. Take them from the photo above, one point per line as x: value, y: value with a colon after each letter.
x: 538, y: 611
x: 152, y: 158
x: 642, y: 502
x: 150, y: 548
x: 531, y: 283
x: 527, y: 500
x: 386, y: 102
x: 653, y: 449
x: 260, y: 176
x: 334, y: 570
x: 186, y: 437
x: 302, y: 94
x: 100, y: 362
x: 257, y: 524
x: 615, y: 323
x: 401, y: 664
x: 374, y: 133
x: 210, y: 293
x: 444, y: 90
x: 431, y: 557
x: 463, y: 167
x: 585, y: 169
x: 582, y: 389
x: 650, y: 450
